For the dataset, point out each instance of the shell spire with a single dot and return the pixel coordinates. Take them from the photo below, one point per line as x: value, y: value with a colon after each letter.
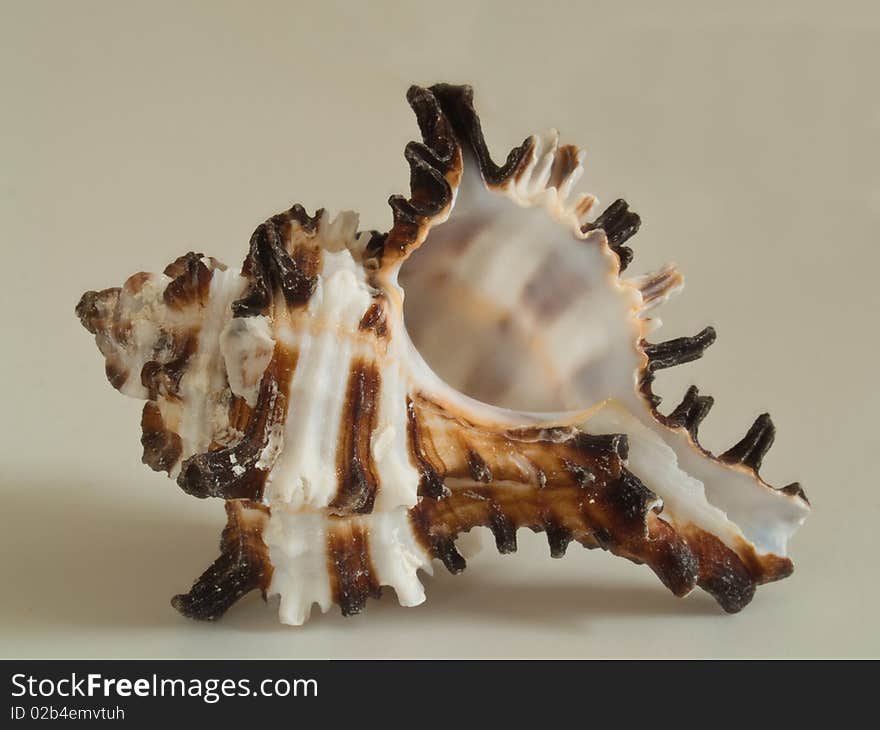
x: 356, y: 436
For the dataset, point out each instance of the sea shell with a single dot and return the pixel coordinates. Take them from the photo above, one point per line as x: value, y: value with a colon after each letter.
x: 292, y: 390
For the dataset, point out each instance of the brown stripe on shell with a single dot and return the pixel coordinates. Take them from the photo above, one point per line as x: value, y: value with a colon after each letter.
x: 564, y: 163
x: 273, y: 271
x: 430, y: 481
x: 503, y: 530
x: 478, y: 469
x: 243, y: 565
x: 668, y: 555
x: 116, y: 371
x: 501, y: 495
x: 516, y: 455
x: 308, y: 223
x: 232, y: 472
x: 764, y: 568
x: 374, y: 320
x: 357, y: 477
x: 308, y: 259
x: 373, y: 252
x: 584, y: 206
x: 613, y: 514
x: 163, y: 378
x: 162, y: 446
x: 658, y: 285
x: 96, y: 309
x: 437, y: 539
x: 180, y: 265
x: 97, y: 313
x: 583, y: 494
x: 352, y: 577
x: 191, y: 285
x: 135, y: 283
x: 558, y: 535
x: 722, y: 572
x: 239, y: 413
x: 434, y: 168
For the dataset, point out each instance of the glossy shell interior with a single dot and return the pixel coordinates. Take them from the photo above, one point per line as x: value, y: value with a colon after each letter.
x: 293, y: 389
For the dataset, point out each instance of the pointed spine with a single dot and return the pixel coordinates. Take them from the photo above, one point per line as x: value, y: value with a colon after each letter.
x: 620, y: 224
x: 669, y: 354
x: 795, y: 490
x: 689, y: 414
x: 752, y: 448
x: 678, y: 351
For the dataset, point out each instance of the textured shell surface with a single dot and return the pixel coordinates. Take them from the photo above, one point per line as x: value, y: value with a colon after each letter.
x: 292, y: 389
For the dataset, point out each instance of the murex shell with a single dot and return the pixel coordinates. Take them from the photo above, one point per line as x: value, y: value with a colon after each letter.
x: 292, y: 390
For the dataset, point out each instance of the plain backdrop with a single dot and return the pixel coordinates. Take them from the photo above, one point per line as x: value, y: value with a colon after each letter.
x: 745, y: 134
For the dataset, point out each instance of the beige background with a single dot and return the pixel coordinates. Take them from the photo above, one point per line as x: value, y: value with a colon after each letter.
x: 747, y: 138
